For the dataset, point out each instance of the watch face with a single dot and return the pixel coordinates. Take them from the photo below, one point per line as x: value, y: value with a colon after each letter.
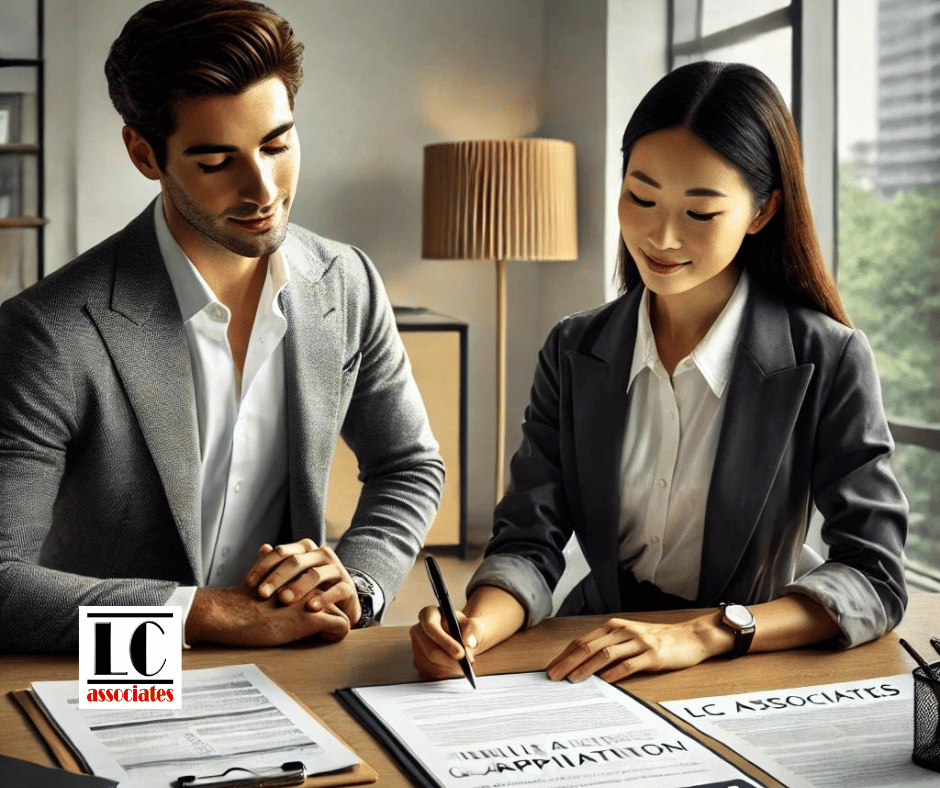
x: 739, y: 615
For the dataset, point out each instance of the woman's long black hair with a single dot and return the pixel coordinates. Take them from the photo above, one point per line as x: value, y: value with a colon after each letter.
x: 739, y: 113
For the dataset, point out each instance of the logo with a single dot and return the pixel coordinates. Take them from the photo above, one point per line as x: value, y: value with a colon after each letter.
x: 130, y: 657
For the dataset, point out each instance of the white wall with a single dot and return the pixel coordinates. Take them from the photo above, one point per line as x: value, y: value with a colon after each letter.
x: 383, y: 79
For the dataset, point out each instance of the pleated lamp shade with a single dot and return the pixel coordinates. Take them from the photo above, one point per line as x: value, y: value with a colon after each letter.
x: 500, y: 200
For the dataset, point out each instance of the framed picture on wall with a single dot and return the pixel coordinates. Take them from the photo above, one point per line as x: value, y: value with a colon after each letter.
x: 11, y: 165
x: 10, y: 106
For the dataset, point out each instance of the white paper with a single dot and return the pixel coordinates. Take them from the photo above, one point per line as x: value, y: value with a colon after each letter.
x: 231, y: 716
x: 524, y: 729
x: 853, y: 733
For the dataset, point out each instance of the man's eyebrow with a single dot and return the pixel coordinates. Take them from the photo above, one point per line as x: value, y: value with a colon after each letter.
x: 697, y: 192
x: 274, y: 133
x: 202, y: 150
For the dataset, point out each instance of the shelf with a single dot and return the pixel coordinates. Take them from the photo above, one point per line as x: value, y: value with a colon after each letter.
x: 23, y: 221
x: 22, y: 148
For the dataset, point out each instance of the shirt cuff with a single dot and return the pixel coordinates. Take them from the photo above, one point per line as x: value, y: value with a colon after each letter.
x: 183, y: 596
x: 518, y: 577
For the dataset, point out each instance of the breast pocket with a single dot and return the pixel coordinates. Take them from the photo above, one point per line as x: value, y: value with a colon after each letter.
x: 348, y: 378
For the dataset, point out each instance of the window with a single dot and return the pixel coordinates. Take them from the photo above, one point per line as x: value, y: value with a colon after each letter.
x: 888, y: 73
x: 759, y: 32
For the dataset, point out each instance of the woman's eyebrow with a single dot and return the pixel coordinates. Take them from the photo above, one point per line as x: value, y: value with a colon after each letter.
x: 700, y: 191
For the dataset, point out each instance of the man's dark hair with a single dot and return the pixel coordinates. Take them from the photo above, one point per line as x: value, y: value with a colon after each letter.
x: 172, y: 49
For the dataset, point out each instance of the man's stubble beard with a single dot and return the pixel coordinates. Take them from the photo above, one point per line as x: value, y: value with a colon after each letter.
x: 215, y: 231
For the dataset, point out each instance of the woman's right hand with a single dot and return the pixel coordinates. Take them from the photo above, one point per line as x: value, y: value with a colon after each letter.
x: 491, y: 615
x: 434, y: 651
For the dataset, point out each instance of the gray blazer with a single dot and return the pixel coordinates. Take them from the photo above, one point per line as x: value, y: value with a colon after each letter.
x: 99, y: 454
x: 804, y: 424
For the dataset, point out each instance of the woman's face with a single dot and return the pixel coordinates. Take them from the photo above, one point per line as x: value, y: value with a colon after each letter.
x: 684, y: 211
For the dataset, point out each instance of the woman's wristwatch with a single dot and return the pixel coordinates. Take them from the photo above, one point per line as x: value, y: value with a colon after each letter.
x: 741, y: 622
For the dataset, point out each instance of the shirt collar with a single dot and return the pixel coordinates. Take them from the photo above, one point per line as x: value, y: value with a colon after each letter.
x: 193, y: 294
x: 713, y: 356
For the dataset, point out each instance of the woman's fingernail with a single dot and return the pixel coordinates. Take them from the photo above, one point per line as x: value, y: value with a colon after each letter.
x: 472, y: 641
x: 266, y: 589
x: 288, y: 596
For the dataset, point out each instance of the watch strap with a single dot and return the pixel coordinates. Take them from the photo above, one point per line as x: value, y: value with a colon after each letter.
x: 743, y: 636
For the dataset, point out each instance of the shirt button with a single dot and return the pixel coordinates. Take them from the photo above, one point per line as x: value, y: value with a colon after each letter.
x: 216, y: 312
x: 238, y: 487
x: 654, y: 540
x: 225, y: 551
x: 662, y: 484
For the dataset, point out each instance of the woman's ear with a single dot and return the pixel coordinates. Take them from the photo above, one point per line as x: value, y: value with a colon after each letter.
x: 141, y: 153
x: 765, y: 212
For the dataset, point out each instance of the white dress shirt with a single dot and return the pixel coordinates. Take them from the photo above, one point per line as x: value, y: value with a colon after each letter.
x: 669, y: 449
x: 242, y: 423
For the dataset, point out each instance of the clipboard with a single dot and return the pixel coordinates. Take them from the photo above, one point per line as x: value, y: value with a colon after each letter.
x: 71, y: 760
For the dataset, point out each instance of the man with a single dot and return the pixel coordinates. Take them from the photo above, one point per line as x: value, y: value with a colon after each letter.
x: 171, y: 400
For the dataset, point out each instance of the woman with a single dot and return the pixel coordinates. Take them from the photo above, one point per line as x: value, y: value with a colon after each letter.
x: 684, y: 432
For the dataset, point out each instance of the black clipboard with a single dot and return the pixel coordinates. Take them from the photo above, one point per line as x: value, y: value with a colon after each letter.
x: 422, y: 777
x: 406, y: 759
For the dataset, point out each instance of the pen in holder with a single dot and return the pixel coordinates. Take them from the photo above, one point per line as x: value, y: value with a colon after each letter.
x: 927, y: 717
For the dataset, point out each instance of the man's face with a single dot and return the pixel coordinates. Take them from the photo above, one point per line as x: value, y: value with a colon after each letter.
x: 231, y: 172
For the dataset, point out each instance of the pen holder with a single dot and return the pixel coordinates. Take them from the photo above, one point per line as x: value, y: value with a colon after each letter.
x: 927, y: 719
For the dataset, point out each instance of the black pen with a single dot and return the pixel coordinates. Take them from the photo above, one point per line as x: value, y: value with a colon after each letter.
x: 924, y: 666
x: 450, y: 616
x: 935, y: 642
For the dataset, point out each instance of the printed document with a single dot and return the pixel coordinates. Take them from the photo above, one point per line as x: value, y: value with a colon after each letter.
x: 854, y: 733
x: 524, y: 729
x: 232, y: 716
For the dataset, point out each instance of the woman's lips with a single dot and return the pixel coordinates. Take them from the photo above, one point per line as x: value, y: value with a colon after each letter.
x: 662, y: 266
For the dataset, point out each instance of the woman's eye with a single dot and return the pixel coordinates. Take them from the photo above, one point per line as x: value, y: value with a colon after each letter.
x: 214, y: 167
x: 642, y: 203
x: 701, y: 217
x: 276, y: 150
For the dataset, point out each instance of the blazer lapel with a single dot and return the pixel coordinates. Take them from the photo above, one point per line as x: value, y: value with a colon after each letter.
x: 313, y: 349
x: 599, y: 394
x: 143, y: 330
x: 765, y: 394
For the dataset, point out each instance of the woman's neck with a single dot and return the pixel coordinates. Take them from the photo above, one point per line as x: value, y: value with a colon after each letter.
x: 681, y: 320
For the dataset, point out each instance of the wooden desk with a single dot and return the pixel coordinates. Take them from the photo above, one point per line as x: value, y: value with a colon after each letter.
x: 383, y: 655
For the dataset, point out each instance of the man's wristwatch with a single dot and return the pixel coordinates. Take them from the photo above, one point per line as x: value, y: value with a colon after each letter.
x: 365, y: 588
x: 739, y: 620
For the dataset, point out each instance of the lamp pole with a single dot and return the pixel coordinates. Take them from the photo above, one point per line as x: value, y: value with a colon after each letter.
x: 501, y: 313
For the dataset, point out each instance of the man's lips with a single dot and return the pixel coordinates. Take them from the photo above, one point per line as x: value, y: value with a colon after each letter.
x: 259, y: 224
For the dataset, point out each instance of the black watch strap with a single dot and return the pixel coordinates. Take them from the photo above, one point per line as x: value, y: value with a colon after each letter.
x: 741, y: 622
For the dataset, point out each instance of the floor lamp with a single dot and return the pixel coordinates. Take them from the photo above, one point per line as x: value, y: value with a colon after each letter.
x: 500, y: 200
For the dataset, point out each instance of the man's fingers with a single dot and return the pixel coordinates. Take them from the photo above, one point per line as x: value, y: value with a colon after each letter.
x: 269, y: 557
x: 333, y: 625
x: 342, y: 594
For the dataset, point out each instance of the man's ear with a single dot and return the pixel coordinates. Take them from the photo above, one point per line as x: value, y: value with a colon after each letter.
x: 141, y: 153
x: 766, y: 212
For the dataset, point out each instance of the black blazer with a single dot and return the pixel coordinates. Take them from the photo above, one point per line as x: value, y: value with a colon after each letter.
x: 804, y: 424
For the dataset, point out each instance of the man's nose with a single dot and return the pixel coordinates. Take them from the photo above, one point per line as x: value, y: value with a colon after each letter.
x: 259, y: 186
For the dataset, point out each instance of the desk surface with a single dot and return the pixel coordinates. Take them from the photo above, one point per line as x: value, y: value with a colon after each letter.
x: 382, y: 655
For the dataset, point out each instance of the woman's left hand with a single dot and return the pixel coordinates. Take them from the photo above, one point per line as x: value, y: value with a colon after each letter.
x: 622, y: 647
